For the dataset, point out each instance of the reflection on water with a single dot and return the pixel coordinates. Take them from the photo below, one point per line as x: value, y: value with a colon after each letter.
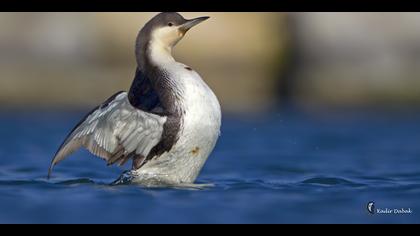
x: 278, y: 168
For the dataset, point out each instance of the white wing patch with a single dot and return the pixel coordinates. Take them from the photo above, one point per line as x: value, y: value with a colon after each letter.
x: 114, y: 132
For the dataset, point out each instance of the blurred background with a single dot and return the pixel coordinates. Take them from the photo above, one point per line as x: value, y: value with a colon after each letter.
x: 320, y: 116
x: 253, y: 61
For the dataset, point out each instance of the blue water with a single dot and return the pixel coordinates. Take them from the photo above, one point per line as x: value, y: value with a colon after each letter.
x: 280, y: 167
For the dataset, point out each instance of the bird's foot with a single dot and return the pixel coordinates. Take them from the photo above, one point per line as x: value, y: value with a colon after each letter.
x: 125, y: 178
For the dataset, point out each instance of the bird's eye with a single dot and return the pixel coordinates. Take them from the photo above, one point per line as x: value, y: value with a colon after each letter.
x: 170, y: 24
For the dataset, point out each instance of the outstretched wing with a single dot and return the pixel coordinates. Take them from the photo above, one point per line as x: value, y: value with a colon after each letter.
x: 115, y: 131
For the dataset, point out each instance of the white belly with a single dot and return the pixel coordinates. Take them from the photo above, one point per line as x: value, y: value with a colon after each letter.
x: 198, y: 135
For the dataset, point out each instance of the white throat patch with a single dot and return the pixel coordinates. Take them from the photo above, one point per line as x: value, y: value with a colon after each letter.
x: 162, y: 41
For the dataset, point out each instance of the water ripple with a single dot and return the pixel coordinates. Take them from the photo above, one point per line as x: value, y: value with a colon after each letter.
x: 77, y: 181
x: 331, y: 181
x: 20, y: 182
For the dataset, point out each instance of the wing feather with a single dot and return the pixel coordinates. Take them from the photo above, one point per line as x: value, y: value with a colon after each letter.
x: 114, y: 131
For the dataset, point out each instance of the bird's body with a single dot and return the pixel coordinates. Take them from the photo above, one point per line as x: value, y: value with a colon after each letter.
x: 169, y: 121
x: 198, y: 133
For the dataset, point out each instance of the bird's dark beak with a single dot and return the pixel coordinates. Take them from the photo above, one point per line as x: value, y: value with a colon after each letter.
x: 190, y: 23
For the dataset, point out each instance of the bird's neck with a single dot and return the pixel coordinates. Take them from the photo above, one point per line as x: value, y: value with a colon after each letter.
x: 160, y: 54
x: 154, y: 54
x: 153, y: 60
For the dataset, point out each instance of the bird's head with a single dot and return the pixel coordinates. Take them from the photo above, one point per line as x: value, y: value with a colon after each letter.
x: 168, y: 28
x: 165, y: 30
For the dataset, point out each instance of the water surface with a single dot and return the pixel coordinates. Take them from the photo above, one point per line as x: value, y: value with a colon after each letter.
x: 279, y: 167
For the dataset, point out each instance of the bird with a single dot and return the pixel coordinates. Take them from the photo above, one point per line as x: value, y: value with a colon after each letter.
x: 167, y: 123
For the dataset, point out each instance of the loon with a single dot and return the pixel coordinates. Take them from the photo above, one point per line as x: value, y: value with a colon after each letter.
x: 167, y: 123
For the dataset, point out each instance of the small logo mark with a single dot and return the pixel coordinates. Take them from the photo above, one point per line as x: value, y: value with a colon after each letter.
x: 371, y: 207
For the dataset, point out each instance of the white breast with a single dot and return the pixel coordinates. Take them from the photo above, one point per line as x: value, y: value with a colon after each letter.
x: 199, y: 131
